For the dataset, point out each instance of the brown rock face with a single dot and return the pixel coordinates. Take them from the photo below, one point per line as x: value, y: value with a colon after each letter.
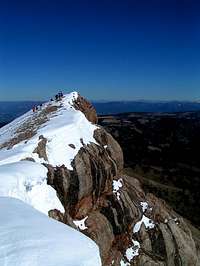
x: 86, y: 107
x: 113, y: 207
x: 41, y: 148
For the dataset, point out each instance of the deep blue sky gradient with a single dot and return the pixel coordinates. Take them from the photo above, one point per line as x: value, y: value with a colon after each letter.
x: 104, y: 49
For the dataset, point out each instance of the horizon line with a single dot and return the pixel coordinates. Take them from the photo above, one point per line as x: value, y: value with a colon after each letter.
x: 110, y: 100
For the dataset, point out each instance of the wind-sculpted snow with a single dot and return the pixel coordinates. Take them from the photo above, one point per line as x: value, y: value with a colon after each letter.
x: 29, y: 238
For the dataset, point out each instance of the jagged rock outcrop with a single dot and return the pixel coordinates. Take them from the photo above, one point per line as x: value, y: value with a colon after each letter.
x: 86, y: 172
x: 165, y: 148
x: 41, y: 148
x: 87, y: 108
x: 129, y: 226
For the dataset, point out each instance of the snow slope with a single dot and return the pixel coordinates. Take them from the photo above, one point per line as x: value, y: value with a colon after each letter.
x: 29, y: 238
x: 27, y: 181
x: 61, y: 125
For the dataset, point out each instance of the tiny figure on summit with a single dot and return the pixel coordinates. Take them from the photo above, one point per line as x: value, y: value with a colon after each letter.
x: 56, y: 97
x: 59, y: 96
x: 40, y: 106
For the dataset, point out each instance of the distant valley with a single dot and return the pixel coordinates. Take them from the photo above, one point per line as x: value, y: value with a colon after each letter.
x: 161, y: 150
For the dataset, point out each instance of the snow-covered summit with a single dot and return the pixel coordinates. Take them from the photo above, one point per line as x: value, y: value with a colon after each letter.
x: 64, y: 128
x: 56, y: 128
x: 51, y: 135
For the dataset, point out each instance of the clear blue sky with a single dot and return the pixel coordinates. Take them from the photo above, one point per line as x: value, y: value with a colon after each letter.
x: 104, y: 49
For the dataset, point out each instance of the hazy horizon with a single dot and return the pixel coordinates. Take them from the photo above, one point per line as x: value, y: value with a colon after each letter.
x: 111, y: 100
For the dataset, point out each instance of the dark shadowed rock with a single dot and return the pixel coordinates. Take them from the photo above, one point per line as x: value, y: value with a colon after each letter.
x: 72, y: 146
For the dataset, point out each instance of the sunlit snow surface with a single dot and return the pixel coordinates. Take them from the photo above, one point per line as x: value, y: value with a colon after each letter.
x: 27, y: 180
x: 65, y: 126
x: 29, y: 238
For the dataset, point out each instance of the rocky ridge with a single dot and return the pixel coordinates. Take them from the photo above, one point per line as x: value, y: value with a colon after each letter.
x: 165, y: 148
x: 129, y: 226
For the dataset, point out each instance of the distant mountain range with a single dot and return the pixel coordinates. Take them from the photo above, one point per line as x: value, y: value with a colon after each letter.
x: 145, y: 106
x: 11, y: 110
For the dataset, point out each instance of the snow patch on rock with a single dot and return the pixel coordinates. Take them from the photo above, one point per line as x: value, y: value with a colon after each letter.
x: 133, y: 251
x: 117, y: 185
x: 81, y: 223
x: 149, y: 224
x: 122, y: 263
x: 144, y: 205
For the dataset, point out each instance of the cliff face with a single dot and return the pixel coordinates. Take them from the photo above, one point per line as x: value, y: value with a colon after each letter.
x: 165, y: 148
x: 85, y: 168
x: 129, y: 226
